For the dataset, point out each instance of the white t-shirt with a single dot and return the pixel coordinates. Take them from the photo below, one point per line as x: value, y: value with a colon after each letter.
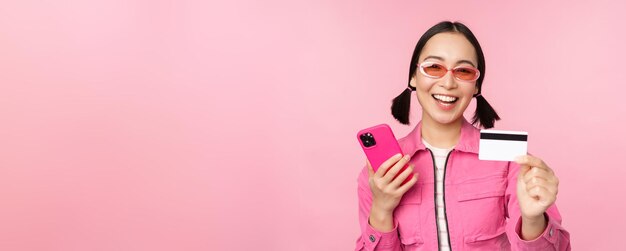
x: 441, y: 155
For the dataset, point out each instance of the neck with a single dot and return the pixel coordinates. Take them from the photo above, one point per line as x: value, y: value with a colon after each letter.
x: 441, y: 135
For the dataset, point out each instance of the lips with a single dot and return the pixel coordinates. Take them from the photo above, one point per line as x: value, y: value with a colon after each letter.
x: 445, y: 98
x: 445, y: 102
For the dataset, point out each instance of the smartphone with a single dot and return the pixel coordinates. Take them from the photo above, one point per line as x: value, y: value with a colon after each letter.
x: 379, y: 144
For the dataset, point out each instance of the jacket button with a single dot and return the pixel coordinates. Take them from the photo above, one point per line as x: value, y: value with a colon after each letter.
x: 372, y: 238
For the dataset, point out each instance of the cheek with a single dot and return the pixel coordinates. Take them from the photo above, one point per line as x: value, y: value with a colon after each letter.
x: 469, y: 90
x: 424, y: 81
x: 423, y: 91
x: 424, y: 84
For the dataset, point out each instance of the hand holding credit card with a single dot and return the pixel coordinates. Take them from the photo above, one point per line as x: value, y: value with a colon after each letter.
x: 502, y: 145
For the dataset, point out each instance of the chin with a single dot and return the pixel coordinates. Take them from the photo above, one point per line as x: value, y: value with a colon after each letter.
x: 446, y: 119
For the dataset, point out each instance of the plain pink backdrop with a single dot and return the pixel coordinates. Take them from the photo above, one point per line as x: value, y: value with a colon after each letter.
x: 194, y: 125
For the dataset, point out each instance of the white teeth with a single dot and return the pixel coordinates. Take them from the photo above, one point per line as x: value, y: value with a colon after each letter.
x: 445, y: 98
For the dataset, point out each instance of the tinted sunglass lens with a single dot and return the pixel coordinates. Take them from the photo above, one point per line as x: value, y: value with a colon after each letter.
x: 465, y: 73
x: 435, y: 70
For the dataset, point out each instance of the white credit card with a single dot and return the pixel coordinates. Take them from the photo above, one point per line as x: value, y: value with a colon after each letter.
x: 502, y: 145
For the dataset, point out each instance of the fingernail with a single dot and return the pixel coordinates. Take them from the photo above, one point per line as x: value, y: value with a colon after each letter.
x: 407, y: 157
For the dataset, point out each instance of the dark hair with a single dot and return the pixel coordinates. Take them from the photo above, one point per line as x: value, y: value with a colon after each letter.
x: 485, y: 114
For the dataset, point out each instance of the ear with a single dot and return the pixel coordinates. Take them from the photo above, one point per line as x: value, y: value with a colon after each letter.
x: 413, y: 82
x: 475, y: 90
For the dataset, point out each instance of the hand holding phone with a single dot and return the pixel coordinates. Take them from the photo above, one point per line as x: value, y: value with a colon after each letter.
x: 390, y: 175
x: 380, y: 145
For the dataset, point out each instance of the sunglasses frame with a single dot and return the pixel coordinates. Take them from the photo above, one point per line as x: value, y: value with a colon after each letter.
x: 426, y: 63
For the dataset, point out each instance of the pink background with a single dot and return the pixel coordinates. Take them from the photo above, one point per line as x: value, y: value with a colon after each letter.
x: 186, y: 125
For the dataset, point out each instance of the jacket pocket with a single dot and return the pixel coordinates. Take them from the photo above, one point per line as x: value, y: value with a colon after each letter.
x: 411, y: 241
x: 499, y: 233
x: 483, y: 205
x: 480, y: 189
x: 488, y: 241
x: 407, y: 214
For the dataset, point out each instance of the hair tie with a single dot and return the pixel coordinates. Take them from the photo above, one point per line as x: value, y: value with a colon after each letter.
x: 475, y: 96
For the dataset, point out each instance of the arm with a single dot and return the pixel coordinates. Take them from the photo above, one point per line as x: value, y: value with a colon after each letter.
x: 542, y: 232
x: 371, y: 238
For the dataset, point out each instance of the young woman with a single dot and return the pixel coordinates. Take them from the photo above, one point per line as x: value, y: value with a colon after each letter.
x: 455, y: 201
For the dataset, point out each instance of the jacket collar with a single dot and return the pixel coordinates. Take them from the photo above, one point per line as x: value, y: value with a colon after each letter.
x: 468, y: 141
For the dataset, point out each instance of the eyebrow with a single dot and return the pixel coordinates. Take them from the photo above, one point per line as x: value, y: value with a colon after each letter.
x: 457, y: 62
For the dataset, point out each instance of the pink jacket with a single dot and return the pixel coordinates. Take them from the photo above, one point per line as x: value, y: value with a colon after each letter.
x: 481, y: 204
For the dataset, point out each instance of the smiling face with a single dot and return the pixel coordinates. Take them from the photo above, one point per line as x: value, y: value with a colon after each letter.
x: 444, y: 99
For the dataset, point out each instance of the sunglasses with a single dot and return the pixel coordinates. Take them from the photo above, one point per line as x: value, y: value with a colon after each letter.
x: 436, y: 70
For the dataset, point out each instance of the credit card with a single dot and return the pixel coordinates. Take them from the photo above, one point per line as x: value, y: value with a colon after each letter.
x: 502, y: 145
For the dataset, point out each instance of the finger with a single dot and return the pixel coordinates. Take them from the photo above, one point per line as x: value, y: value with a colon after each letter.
x: 402, y: 189
x: 528, y: 160
x: 542, y: 195
x: 386, y: 165
x: 551, y: 186
x: 533, y: 161
x: 538, y: 173
x: 370, y: 170
x: 541, y: 173
x: 537, y: 182
x: 403, y: 175
x: 395, y: 169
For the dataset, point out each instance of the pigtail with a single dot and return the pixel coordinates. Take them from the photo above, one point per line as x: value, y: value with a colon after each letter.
x: 401, y: 106
x: 485, y: 114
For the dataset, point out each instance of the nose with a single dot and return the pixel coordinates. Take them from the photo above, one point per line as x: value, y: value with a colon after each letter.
x: 448, y: 81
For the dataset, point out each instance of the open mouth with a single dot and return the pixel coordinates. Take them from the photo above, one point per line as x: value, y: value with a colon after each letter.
x: 444, y: 102
x: 445, y: 99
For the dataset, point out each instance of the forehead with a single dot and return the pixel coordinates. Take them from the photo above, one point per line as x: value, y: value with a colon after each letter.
x: 451, y: 46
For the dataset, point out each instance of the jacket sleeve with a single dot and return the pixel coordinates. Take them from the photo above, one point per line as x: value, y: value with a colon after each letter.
x: 370, y: 239
x: 554, y: 237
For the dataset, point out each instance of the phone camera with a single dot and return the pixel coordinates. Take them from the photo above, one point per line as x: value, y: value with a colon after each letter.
x: 367, y: 139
